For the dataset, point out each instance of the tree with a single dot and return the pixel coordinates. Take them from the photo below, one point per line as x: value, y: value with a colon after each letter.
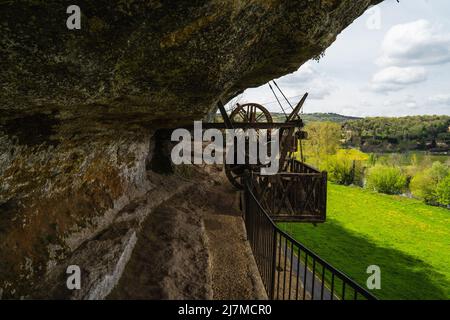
x: 323, y: 141
x: 397, y: 134
x: 443, y: 191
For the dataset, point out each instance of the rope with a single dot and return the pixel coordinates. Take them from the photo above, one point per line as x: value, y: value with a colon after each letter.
x: 278, y: 101
x: 274, y: 101
x: 283, y: 94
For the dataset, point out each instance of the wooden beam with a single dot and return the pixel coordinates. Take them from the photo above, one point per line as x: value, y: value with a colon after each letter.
x: 297, y: 109
x: 224, y: 114
x: 257, y: 125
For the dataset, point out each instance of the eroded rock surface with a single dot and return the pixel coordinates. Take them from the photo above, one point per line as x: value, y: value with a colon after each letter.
x: 194, y: 247
x: 78, y: 108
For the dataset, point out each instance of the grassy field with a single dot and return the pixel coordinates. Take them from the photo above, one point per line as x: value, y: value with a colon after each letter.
x: 407, y: 239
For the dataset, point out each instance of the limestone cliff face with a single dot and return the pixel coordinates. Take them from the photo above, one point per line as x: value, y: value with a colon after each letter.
x: 78, y: 108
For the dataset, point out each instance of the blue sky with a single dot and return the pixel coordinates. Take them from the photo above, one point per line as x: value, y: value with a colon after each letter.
x: 392, y: 61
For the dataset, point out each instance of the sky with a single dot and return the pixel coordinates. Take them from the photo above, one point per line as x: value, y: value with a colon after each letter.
x: 392, y: 61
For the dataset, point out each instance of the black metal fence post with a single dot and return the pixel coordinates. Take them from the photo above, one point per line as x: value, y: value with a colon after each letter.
x: 274, y: 264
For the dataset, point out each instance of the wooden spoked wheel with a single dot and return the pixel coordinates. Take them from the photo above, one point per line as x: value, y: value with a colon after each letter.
x: 251, y: 113
x: 246, y: 113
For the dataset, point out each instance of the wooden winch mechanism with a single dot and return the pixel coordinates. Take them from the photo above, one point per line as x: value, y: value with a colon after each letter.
x: 298, y: 192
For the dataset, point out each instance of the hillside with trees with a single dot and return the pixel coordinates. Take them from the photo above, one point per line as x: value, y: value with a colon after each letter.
x: 387, y: 134
x: 381, y: 134
x: 317, y: 117
x: 415, y: 174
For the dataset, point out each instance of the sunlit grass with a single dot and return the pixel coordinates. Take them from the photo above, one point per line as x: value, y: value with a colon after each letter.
x: 409, y: 240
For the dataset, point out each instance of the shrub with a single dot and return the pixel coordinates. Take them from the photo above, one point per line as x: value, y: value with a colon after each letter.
x: 340, y: 170
x: 345, y: 167
x: 424, y: 184
x: 386, y: 179
x: 443, y: 191
x: 439, y: 171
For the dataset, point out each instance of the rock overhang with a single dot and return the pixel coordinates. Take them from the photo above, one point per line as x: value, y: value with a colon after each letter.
x: 77, y: 107
x: 147, y: 61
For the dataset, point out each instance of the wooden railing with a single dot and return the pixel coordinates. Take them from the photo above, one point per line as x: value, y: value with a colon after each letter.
x: 299, y: 195
x: 300, y: 167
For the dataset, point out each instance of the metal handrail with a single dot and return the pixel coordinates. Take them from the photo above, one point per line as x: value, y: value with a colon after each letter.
x: 275, y: 249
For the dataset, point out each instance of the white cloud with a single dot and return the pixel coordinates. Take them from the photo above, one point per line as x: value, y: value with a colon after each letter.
x: 401, y: 76
x: 411, y: 104
x: 389, y: 103
x: 320, y: 91
x: 440, y: 99
x: 397, y: 78
x: 415, y: 43
x: 306, y: 73
x: 404, y: 105
x: 406, y: 50
x: 307, y: 78
x: 348, y: 76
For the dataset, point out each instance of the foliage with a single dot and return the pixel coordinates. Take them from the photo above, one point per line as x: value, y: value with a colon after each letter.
x: 439, y: 171
x: 389, y: 173
x: 317, y: 117
x: 373, y: 157
x: 346, y: 167
x: 319, y: 56
x: 422, y: 187
x: 407, y: 239
x: 386, y: 179
x: 383, y: 134
x: 424, y: 184
x: 323, y: 141
x: 443, y: 191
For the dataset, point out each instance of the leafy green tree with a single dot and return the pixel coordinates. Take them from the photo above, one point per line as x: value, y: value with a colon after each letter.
x: 398, y: 134
x: 323, y: 141
x: 386, y: 179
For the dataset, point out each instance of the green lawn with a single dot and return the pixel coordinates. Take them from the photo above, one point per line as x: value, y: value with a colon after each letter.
x: 407, y: 239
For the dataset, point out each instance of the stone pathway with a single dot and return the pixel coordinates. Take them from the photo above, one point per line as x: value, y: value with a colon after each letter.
x: 193, y: 246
